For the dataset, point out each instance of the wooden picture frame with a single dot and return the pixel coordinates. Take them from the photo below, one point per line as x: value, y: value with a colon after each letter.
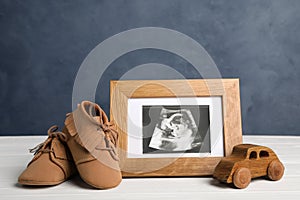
x: 122, y: 91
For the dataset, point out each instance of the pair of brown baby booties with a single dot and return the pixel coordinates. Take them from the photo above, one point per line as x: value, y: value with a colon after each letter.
x: 86, y: 145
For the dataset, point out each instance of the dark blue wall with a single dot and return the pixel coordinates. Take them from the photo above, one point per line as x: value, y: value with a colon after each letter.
x: 43, y: 43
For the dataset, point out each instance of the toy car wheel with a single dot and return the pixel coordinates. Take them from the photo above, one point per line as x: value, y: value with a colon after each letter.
x: 275, y: 170
x: 242, y: 177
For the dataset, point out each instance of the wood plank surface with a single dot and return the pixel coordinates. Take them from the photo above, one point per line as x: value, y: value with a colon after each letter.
x: 14, y: 157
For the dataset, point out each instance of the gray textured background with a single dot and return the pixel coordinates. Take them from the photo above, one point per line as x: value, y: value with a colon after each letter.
x: 43, y: 43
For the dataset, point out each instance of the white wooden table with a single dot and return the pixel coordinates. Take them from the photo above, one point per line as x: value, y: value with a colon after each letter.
x: 14, y: 157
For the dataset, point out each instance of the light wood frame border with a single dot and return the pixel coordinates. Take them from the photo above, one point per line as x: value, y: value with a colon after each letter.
x: 227, y: 89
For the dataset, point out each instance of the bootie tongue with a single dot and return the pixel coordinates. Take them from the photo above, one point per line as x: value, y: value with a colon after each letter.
x: 97, y: 119
x: 97, y: 114
x: 102, y: 121
x: 107, y: 129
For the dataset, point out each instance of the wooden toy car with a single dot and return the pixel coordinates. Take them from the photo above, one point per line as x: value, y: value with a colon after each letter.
x: 248, y: 161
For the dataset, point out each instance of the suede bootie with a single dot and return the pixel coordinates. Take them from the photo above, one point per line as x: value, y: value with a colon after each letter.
x: 52, y: 163
x: 92, y: 141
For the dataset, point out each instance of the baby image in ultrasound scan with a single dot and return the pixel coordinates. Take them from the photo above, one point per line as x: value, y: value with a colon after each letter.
x: 175, y: 131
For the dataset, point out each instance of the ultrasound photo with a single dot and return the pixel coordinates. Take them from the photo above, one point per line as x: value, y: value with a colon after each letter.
x: 173, y: 129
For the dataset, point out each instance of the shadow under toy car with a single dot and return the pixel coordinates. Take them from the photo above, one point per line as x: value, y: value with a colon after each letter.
x: 248, y: 161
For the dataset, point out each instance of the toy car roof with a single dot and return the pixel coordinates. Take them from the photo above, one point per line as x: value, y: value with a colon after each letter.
x: 244, y: 148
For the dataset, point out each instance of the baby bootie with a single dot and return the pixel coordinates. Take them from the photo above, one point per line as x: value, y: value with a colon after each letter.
x: 92, y: 141
x: 52, y: 163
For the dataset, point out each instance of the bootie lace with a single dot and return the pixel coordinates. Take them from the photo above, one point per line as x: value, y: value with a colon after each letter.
x: 110, y: 135
x: 44, y: 146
